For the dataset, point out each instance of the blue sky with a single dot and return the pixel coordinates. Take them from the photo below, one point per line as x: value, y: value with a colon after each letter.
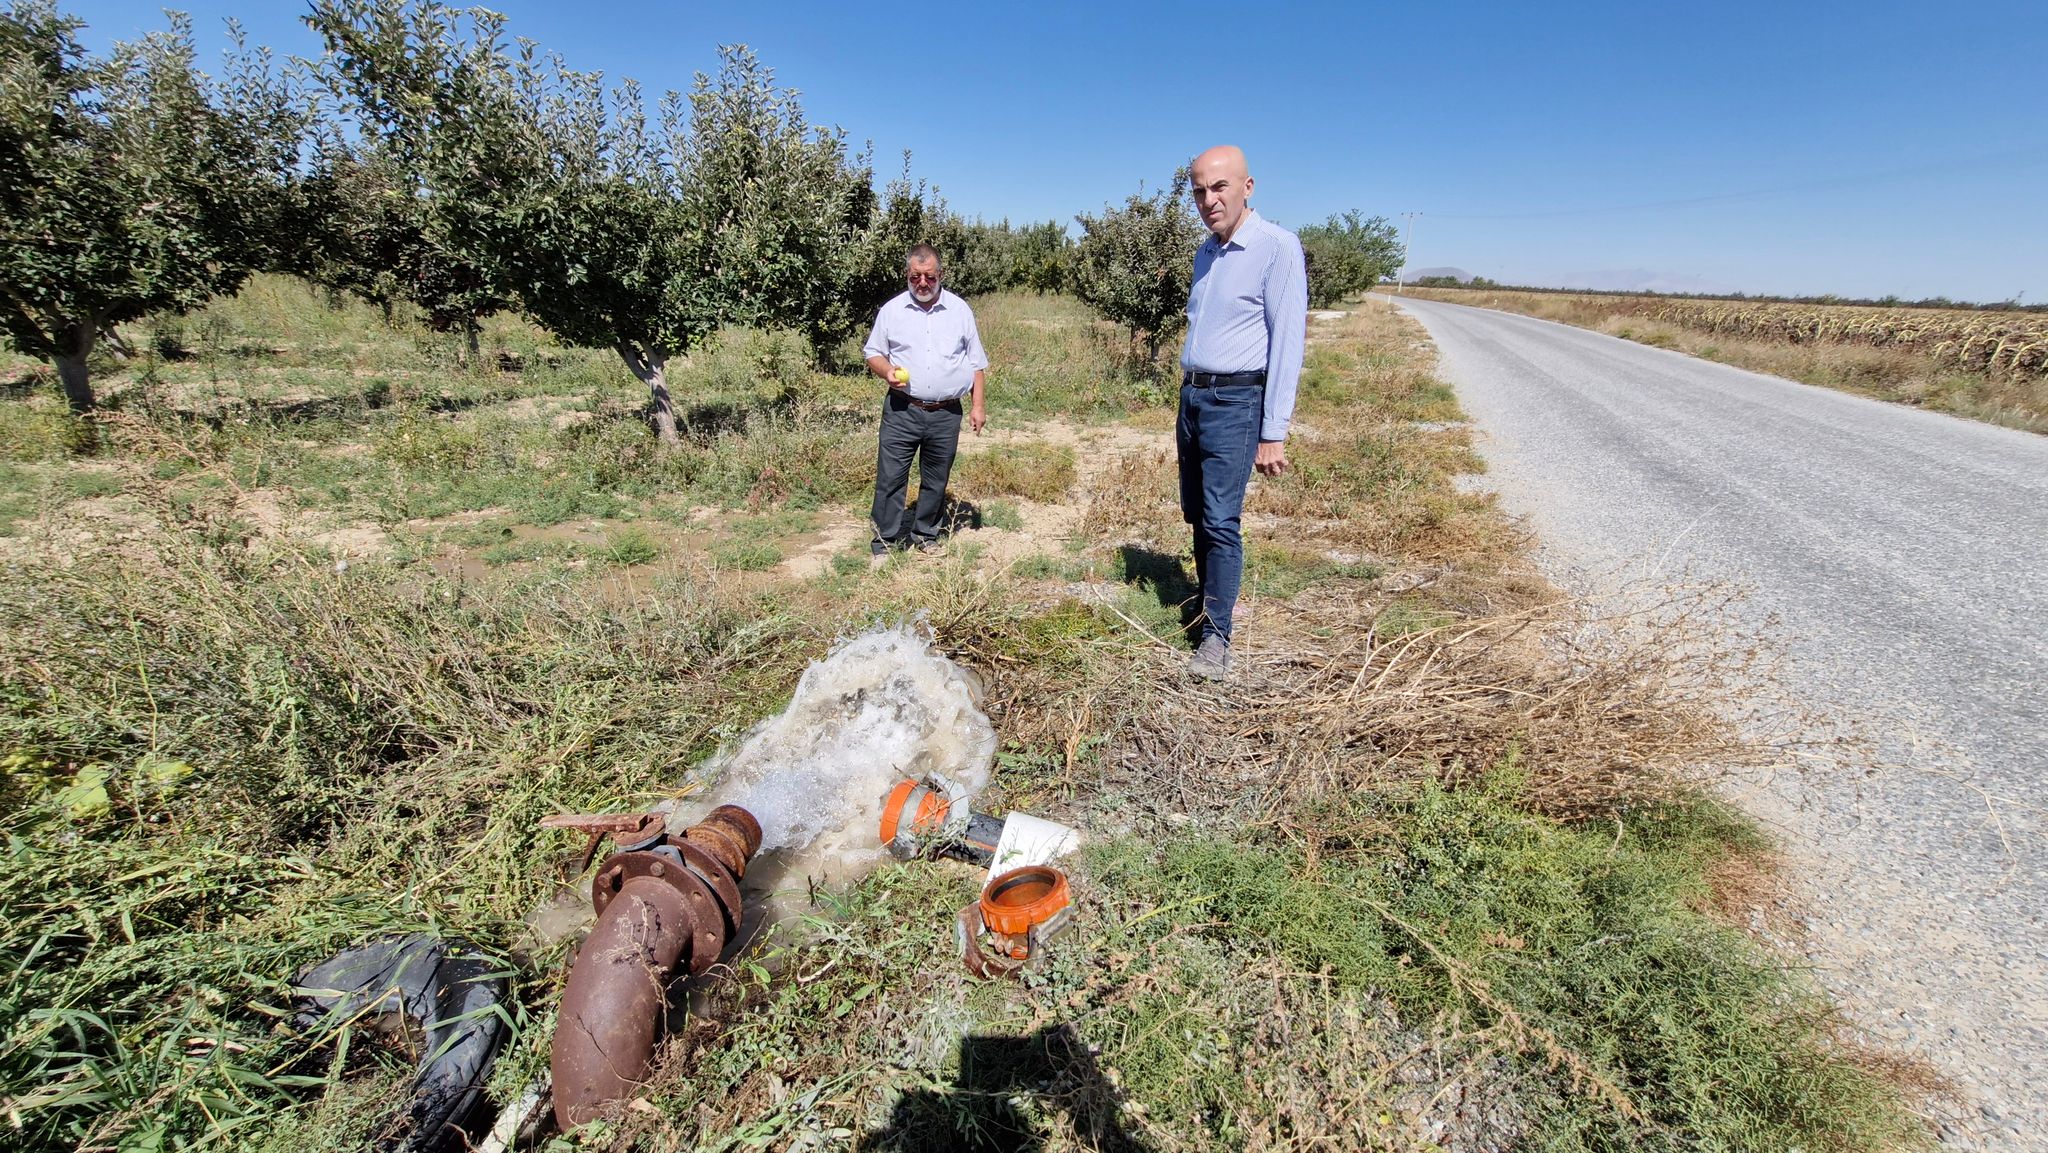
x: 1857, y: 148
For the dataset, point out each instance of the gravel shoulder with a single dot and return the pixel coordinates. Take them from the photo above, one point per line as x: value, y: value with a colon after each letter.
x: 1899, y: 560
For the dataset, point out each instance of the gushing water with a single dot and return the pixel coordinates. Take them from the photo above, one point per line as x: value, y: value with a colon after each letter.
x: 880, y: 708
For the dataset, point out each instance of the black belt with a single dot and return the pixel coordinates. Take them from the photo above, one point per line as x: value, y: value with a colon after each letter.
x: 933, y: 405
x: 1220, y: 379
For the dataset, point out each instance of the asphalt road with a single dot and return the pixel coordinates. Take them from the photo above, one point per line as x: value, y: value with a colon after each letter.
x: 1900, y: 558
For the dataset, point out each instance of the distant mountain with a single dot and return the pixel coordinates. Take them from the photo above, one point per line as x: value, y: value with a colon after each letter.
x: 1637, y: 280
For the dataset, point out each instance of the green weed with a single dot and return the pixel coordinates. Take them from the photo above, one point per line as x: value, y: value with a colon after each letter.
x: 1646, y: 1024
x: 87, y: 485
x: 1045, y: 566
x: 1402, y: 618
x: 1279, y: 571
x: 41, y: 428
x: 17, y: 496
x: 745, y: 555
x: 1003, y: 515
x: 629, y: 546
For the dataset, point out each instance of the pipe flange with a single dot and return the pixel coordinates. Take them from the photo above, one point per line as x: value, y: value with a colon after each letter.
x: 710, y: 870
x: 708, y: 915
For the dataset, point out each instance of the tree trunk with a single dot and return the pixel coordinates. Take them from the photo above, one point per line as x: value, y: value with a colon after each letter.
x: 72, y: 371
x: 651, y: 366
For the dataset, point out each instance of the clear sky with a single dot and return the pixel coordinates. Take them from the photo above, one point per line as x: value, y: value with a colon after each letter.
x: 1798, y: 146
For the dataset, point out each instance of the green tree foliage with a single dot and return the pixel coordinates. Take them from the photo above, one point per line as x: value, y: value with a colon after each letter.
x: 399, y: 92
x: 614, y: 228
x: 129, y: 184
x: 909, y: 213
x: 1044, y: 257
x: 979, y: 257
x: 982, y: 257
x: 1347, y: 255
x: 366, y: 231
x: 1133, y: 264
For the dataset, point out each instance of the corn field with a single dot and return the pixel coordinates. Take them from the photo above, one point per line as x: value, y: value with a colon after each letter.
x: 2007, y: 345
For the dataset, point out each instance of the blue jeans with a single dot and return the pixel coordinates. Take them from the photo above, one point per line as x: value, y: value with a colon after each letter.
x: 1218, y: 437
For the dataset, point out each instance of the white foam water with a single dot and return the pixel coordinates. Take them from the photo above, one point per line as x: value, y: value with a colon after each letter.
x: 882, y: 707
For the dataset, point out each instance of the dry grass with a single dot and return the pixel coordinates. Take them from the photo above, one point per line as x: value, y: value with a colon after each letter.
x: 1034, y: 471
x: 1457, y: 659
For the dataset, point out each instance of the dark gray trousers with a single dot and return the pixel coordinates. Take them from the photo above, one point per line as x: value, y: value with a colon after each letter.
x: 932, y: 435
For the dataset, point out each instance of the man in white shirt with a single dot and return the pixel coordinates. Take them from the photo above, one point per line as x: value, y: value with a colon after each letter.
x: 926, y: 347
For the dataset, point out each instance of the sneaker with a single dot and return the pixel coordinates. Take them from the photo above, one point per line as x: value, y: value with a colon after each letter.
x: 877, y: 561
x: 932, y: 547
x: 1212, y: 659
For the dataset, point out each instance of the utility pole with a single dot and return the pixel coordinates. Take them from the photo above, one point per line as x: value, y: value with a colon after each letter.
x: 1406, y: 238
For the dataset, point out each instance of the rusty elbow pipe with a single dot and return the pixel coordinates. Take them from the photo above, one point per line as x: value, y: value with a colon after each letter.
x: 672, y: 900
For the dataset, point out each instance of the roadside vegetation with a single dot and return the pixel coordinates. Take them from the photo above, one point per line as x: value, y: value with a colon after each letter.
x: 342, y: 540
x: 1435, y: 871
x: 1986, y: 364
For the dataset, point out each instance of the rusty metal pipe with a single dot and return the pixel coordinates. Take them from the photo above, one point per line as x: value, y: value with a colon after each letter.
x: 671, y: 901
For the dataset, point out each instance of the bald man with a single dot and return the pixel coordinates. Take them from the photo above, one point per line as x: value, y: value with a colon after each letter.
x: 1247, y: 322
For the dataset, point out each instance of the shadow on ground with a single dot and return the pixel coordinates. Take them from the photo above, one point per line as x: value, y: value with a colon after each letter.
x: 979, y: 1114
x: 1163, y: 577
x: 960, y: 516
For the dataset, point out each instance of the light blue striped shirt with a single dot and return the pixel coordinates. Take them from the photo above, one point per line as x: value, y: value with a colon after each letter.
x: 1248, y: 311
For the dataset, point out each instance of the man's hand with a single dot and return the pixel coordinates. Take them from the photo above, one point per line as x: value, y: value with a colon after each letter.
x: 1272, y: 458
x: 880, y: 366
x: 976, y: 418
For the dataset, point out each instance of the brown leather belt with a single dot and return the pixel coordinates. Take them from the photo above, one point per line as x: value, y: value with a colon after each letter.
x: 932, y: 405
x: 1220, y: 379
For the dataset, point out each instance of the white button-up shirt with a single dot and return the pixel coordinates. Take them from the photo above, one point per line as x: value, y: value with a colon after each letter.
x: 940, y: 346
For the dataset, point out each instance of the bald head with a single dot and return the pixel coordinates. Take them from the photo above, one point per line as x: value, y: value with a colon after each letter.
x: 1223, y: 188
x: 1224, y: 159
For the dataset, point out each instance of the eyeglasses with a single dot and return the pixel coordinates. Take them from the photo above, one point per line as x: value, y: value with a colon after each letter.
x: 924, y: 278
